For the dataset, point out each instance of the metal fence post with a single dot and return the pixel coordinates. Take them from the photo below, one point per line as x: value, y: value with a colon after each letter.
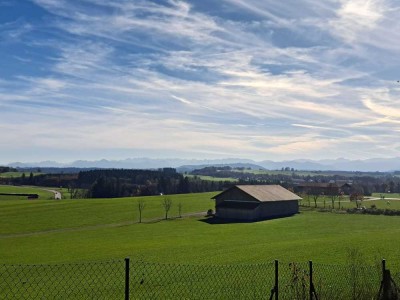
x: 311, y: 279
x: 127, y: 278
x: 276, y: 280
x: 383, y: 268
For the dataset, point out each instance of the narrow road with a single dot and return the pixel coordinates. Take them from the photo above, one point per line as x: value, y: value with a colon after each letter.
x: 57, y: 194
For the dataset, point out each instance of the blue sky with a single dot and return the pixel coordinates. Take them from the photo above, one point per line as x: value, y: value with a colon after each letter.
x: 255, y: 79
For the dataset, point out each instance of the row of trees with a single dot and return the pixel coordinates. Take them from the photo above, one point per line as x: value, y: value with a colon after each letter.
x: 144, y: 183
x: 109, y: 183
x: 50, y: 180
x: 363, y: 183
x: 7, y: 169
x: 166, y: 205
x: 113, y: 183
x: 333, y: 198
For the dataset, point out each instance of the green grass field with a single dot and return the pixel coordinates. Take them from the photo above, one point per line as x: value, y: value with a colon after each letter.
x: 390, y: 202
x: 48, y: 231
x: 26, y: 216
x: 312, y: 173
x: 211, y: 178
x: 43, y: 194
x: 387, y: 195
x: 186, y: 257
x: 17, y: 174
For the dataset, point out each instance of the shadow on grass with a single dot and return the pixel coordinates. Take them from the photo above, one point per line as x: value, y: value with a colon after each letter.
x: 158, y: 220
x: 215, y: 220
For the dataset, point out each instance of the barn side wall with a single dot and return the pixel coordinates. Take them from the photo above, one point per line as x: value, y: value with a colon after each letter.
x: 238, y: 214
x: 234, y: 194
x: 278, y: 208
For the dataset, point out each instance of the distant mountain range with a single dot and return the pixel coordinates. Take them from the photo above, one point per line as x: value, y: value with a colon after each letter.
x: 341, y: 164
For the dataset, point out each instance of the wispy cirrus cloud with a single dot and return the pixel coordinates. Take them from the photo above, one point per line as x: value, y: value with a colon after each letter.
x: 262, y: 80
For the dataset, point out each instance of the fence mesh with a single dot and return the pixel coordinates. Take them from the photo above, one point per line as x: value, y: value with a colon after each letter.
x: 95, y: 280
x: 354, y: 282
x: 293, y: 280
x: 106, y: 280
x: 163, y: 281
x: 395, y: 279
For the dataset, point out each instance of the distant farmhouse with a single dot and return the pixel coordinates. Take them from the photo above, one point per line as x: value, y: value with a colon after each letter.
x: 255, y: 202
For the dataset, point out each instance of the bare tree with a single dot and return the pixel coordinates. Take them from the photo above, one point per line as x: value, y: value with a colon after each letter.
x: 358, y: 198
x: 341, y: 197
x: 333, y: 192
x: 167, y: 204
x: 315, y: 197
x: 333, y: 199
x: 140, y: 205
x: 180, y: 209
x: 307, y: 193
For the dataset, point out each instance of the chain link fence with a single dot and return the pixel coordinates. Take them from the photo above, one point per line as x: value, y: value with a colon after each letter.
x: 125, y: 279
x: 322, y: 281
x: 95, y: 280
x: 164, y: 281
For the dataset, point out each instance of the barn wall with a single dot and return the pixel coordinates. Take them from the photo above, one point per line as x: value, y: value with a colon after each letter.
x: 238, y: 214
x: 234, y: 194
x: 279, y: 208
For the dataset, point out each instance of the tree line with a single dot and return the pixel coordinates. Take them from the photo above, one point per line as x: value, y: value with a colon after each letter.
x: 113, y: 183
x: 364, y: 183
x: 108, y: 183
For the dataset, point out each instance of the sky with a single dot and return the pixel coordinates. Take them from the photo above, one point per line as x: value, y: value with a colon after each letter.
x: 276, y: 80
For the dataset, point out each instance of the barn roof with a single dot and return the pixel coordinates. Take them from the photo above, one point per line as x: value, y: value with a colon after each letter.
x: 265, y: 193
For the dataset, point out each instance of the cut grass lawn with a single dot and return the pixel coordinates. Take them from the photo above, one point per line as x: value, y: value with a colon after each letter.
x: 26, y: 235
x: 24, y: 216
x: 322, y: 237
x: 211, y: 178
x: 41, y: 191
x: 75, y: 231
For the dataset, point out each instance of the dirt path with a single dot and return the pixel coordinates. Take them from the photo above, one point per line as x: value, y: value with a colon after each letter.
x: 94, y: 227
x: 57, y: 194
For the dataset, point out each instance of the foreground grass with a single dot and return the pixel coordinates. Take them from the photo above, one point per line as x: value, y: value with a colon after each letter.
x: 74, y: 231
x: 322, y: 237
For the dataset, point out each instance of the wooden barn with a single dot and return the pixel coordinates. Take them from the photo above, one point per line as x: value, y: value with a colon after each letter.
x: 255, y: 202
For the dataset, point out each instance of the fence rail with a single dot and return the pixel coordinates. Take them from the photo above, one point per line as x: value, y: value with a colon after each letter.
x: 126, y: 279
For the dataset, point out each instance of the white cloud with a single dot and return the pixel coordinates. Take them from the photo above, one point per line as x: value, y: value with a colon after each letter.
x: 356, y: 17
x: 285, y: 80
x: 387, y: 109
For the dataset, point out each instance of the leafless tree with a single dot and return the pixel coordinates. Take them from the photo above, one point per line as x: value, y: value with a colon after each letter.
x: 180, y: 209
x: 341, y: 197
x: 333, y: 199
x: 307, y: 193
x: 167, y: 204
x: 140, y: 205
x: 315, y: 197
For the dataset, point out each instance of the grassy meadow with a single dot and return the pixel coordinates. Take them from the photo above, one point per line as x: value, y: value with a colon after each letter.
x: 211, y: 178
x: 391, y: 201
x: 18, y: 174
x: 56, y: 231
x: 43, y: 194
